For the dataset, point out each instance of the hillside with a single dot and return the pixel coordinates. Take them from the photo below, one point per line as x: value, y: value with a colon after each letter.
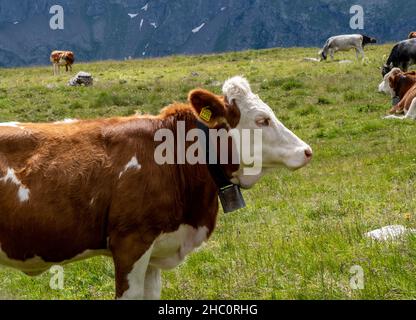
x: 118, y: 29
x: 302, y: 231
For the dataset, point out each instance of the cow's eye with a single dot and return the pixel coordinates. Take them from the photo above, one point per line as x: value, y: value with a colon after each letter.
x: 263, y: 122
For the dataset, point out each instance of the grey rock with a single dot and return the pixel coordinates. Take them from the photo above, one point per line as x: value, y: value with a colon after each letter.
x: 82, y: 78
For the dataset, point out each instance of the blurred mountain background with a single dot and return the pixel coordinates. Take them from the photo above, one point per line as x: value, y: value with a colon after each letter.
x: 123, y: 29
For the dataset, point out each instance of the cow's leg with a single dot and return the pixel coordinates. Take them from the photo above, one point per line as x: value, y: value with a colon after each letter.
x: 359, y: 51
x: 331, y: 53
x: 54, y: 69
x: 152, y: 283
x: 131, y: 259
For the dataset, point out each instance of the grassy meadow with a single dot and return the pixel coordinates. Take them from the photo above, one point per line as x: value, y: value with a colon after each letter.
x: 301, y: 231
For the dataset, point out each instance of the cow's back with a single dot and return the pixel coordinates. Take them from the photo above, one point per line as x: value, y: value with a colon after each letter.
x: 86, y: 181
x: 345, y: 41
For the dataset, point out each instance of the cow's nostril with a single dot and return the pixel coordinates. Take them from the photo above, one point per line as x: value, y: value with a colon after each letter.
x: 308, y: 153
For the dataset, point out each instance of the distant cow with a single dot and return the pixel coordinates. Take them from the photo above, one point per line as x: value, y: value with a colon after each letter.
x: 62, y: 58
x: 412, y: 35
x: 344, y: 43
x: 76, y: 189
x: 402, y: 56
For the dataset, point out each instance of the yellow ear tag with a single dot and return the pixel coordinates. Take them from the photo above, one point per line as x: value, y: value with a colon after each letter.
x: 205, y: 114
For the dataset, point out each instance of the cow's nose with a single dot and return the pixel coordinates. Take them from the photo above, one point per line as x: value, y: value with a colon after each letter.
x: 308, y: 153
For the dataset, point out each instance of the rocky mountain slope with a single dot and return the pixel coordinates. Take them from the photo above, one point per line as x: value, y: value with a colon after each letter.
x: 119, y: 29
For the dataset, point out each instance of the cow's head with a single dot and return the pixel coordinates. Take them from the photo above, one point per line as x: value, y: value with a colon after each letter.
x: 384, y: 86
x: 322, y: 55
x: 368, y: 40
x: 243, y: 111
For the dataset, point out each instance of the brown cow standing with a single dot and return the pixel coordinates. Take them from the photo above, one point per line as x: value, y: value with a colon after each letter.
x: 75, y: 189
x: 62, y: 58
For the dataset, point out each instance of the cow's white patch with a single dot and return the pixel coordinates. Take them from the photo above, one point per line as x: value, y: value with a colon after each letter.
x: 10, y: 124
x: 67, y: 121
x: 133, y: 15
x: 389, y: 233
x: 170, y: 249
x: 136, y: 278
x: 23, y: 192
x: 36, y: 265
x: 197, y: 29
x: 152, y: 284
x: 132, y: 164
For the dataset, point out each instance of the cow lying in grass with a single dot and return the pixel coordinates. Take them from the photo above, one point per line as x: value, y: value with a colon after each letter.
x: 345, y: 42
x: 397, y: 87
x: 72, y: 190
x: 404, y: 86
x: 62, y: 58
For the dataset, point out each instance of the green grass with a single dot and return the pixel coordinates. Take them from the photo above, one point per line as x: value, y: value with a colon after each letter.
x: 301, y: 231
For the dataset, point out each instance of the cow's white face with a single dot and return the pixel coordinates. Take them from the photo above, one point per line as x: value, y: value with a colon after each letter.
x: 384, y: 86
x: 280, y: 146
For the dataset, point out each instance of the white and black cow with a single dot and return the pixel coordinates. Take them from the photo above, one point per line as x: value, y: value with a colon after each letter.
x: 345, y: 42
x: 402, y: 56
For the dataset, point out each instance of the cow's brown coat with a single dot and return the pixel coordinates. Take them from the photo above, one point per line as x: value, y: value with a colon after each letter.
x: 79, y: 202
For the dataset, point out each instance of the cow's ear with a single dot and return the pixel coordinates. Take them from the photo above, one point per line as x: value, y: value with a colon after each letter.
x: 208, y: 107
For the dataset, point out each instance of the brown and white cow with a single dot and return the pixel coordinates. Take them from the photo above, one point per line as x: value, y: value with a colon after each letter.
x: 75, y: 189
x: 62, y: 58
x: 404, y: 85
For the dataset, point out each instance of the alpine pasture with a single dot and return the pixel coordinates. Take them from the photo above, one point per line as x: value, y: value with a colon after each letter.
x: 301, y: 231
